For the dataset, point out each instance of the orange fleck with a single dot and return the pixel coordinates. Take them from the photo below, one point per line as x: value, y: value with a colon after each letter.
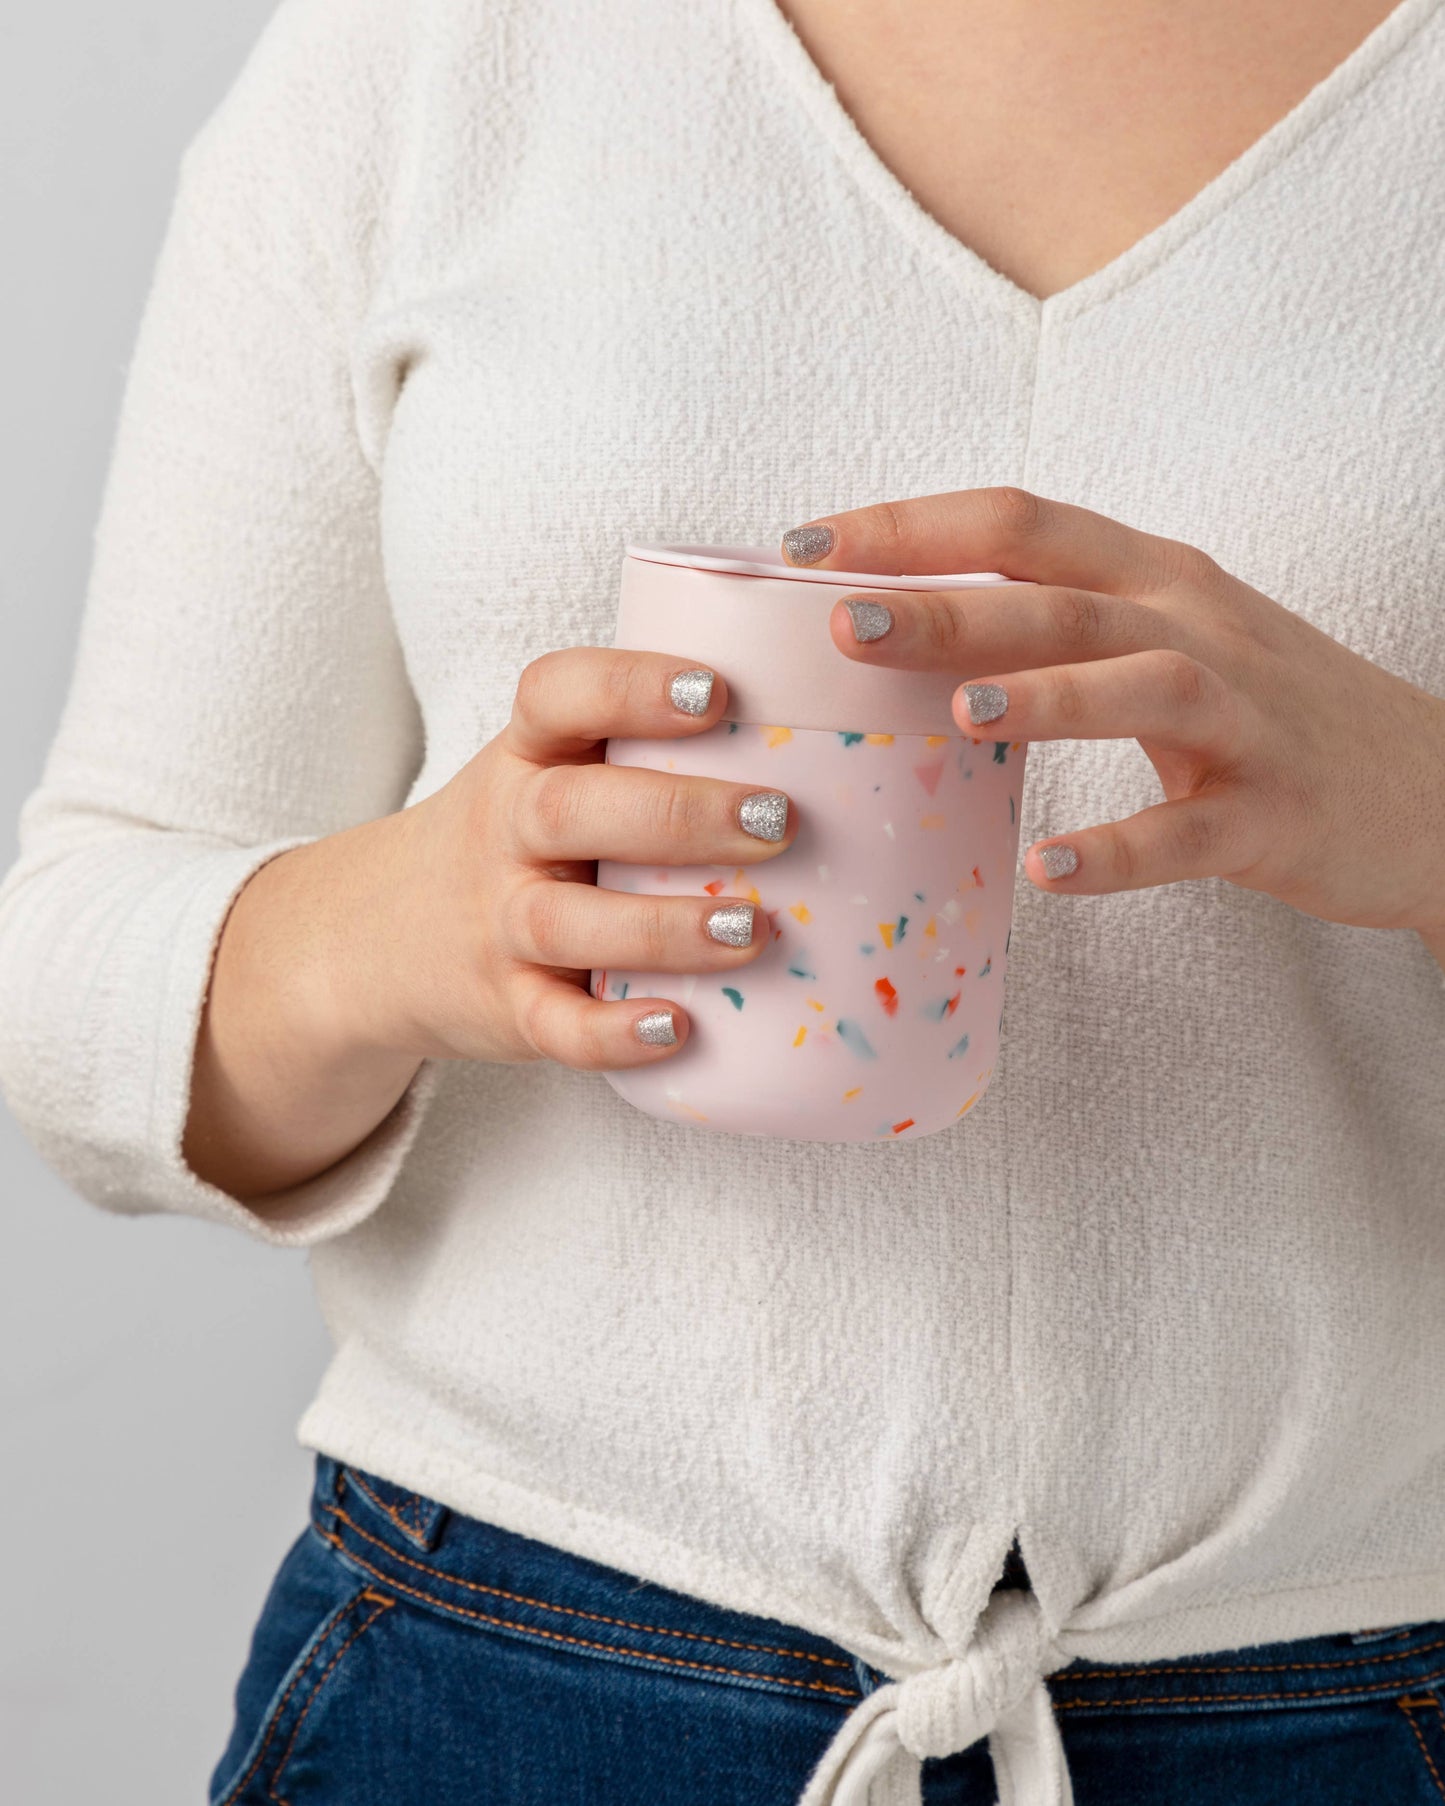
x: 801, y: 911
x: 778, y: 736
x: 798, y: 1038
x: 973, y: 1100
x: 930, y: 821
x: 887, y: 996
x: 899, y: 1127
x: 886, y: 930
x: 952, y: 1003
x: 936, y: 740
x: 977, y: 878
x: 878, y: 739
x: 847, y: 1095
x: 752, y: 895
x: 816, y: 1005
x: 959, y: 971
x: 777, y: 934
x: 713, y: 888
x: 932, y: 927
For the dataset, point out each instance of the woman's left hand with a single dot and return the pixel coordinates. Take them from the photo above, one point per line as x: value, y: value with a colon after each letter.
x: 1290, y: 764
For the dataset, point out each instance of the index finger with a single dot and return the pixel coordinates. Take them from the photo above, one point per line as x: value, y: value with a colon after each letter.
x: 573, y: 698
x: 1008, y: 530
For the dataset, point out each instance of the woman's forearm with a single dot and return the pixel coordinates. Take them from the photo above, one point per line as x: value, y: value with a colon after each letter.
x: 289, y: 1074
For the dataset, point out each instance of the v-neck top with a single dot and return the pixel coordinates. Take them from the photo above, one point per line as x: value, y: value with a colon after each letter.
x: 455, y: 300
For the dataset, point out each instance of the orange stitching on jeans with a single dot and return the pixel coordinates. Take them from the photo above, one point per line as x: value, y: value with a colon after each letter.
x: 1405, y: 1705
x: 573, y: 1611
x: 392, y: 1511
x: 556, y: 1636
x: 316, y: 1648
x: 1212, y: 1699
x: 1400, y: 1655
x: 382, y: 1605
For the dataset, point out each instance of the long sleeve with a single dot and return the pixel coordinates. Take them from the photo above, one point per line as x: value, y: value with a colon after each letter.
x: 238, y: 686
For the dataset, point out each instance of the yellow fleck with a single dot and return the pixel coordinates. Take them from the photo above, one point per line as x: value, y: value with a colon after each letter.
x: 851, y: 1094
x: 973, y: 1100
x: 816, y: 1005
x: 751, y: 893
x: 777, y: 736
x: 886, y: 930
x: 801, y: 911
x: 878, y: 739
x: 936, y: 740
x: 930, y: 821
x: 932, y: 927
x: 798, y: 1038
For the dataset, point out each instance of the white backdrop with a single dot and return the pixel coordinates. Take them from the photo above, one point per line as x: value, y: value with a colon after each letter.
x: 151, y: 1370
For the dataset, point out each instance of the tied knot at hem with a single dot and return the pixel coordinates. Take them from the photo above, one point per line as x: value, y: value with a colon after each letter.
x: 993, y: 1687
x: 955, y: 1703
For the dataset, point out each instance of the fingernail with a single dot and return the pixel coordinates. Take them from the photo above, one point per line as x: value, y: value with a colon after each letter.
x: 656, y: 1029
x: 1058, y: 861
x: 871, y: 620
x: 986, y: 702
x: 806, y: 545
x: 764, y: 815
x: 732, y: 923
x: 691, y: 691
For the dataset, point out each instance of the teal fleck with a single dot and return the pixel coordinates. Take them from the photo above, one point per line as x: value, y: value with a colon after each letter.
x: 969, y: 772
x: 737, y: 996
x: 732, y: 727
x: 1000, y: 751
x: 852, y: 1036
x: 866, y: 947
x: 962, y: 1048
x: 850, y: 739
x: 623, y: 991
x: 1006, y: 939
x: 919, y: 895
x: 984, y: 968
x: 902, y: 928
x: 936, y: 1010
x: 798, y: 972
x: 1010, y: 812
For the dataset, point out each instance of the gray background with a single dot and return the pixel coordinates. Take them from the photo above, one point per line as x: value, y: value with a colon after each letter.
x: 151, y: 1370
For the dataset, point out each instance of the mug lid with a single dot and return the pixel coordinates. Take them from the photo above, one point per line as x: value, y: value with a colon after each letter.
x: 767, y: 561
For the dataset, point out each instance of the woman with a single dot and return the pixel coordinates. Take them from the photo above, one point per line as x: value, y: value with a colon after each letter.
x: 1093, y: 1449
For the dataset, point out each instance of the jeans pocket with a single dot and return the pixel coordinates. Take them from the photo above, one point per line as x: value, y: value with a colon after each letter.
x: 314, y: 1616
x: 1424, y: 1711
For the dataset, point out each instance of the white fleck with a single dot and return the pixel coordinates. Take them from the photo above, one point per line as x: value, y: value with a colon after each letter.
x: 688, y: 989
x: 823, y: 873
x: 942, y: 953
x: 951, y: 910
x: 888, y: 829
x: 859, y: 899
x: 672, y: 1094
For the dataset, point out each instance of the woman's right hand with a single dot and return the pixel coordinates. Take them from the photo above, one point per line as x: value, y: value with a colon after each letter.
x: 499, y: 903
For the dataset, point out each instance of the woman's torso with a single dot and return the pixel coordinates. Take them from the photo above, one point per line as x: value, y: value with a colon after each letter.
x: 1169, y: 1302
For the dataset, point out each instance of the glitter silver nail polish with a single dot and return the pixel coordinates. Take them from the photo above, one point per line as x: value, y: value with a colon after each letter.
x: 871, y: 620
x: 691, y: 691
x: 764, y: 815
x: 732, y: 923
x: 656, y: 1029
x: 986, y: 702
x: 806, y: 545
x: 1058, y: 862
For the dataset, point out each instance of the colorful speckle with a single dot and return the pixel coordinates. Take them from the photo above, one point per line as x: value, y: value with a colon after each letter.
x: 983, y: 970
x: 953, y: 1002
x: 929, y: 774
x: 978, y: 877
x: 858, y: 899
x: 888, y: 930
x: 932, y: 928
x: 714, y: 887
x: 732, y: 727
x: 1000, y: 751
x: 951, y: 910
x: 960, y: 971
x: 866, y: 947
x: 848, y: 1096
x: 850, y: 739
x: 887, y: 996
x: 1011, y: 811
x: 934, y: 1008
x: 969, y: 1103
x: 813, y: 1001
x: 735, y: 996
x: 879, y: 739
x: 801, y: 911
x: 899, y: 1127
x: 936, y: 740
x: 960, y: 1048
x: 778, y: 736
x: 902, y: 926
x: 918, y: 896
x: 888, y: 830
x: 800, y: 972
x: 623, y: 991
x: 802, y: 1032
x: 931, y: 821
x: 853, y: 1037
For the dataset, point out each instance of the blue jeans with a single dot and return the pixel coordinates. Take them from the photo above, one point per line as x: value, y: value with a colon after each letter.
x: 407, y: 1655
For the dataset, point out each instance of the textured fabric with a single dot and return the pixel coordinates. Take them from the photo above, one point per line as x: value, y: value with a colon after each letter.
x: 456, y: 298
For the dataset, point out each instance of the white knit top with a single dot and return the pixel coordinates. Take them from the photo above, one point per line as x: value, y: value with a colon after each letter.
x: 459, y: 296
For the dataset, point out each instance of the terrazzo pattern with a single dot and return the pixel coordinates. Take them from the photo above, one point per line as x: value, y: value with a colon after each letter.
x: 874, y: 1012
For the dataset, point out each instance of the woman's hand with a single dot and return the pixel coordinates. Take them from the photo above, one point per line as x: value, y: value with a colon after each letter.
x: 1290, y: 764
x: 466, y: 926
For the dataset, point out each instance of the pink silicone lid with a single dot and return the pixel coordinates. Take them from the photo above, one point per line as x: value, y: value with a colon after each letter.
x: 765, y: 561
